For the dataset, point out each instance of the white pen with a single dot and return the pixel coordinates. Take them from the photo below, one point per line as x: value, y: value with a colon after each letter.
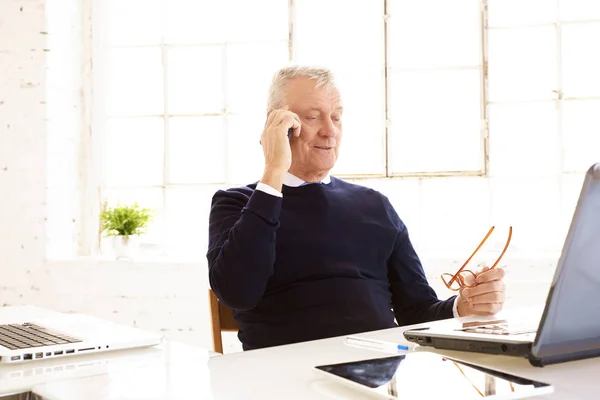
x: 374, y: 344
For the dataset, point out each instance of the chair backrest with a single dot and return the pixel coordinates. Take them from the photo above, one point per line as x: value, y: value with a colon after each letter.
x: 222, y: 321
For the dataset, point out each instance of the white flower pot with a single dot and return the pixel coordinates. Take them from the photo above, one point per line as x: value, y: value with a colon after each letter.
x: 125, y: 248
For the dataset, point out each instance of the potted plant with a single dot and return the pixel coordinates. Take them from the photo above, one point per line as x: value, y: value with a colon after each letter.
x: 124, y: 223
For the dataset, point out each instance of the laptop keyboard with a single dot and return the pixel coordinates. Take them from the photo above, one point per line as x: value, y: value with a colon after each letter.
x: 28, y: 335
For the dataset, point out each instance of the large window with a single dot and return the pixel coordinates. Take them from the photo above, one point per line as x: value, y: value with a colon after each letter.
x: 180, y: 91
x: 436, y: 97
x: 183, y: 86
x: 544, y: 86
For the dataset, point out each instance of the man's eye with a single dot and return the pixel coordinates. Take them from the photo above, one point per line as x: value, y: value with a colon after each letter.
x: 312, y: 117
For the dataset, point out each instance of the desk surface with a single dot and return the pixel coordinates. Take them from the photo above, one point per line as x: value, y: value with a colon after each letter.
x: 177, y: 371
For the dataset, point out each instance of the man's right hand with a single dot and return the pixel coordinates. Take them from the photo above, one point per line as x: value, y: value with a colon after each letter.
x: 276, y: 146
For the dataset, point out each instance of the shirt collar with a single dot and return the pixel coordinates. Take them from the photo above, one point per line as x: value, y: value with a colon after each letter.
x: 294, y: 181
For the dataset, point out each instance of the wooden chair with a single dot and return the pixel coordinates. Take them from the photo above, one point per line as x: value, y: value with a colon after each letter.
x: 222, y: 321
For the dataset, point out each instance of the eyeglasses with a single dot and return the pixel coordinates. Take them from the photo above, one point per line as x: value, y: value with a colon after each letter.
x: 457, y: 281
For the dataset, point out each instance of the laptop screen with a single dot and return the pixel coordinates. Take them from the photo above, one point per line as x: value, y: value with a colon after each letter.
x: 572, y: 321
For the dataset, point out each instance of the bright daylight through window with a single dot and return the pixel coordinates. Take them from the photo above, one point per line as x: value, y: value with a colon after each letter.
x: 180, y: 94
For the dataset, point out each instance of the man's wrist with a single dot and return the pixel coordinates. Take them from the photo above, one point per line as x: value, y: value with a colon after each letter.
x: 455, y: 312
x: 273, y: 178
x: 462, y: 307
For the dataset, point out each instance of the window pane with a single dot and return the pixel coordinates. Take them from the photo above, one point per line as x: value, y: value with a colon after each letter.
x: 151, y: 198
x: 196, y: 80
x: 522, y: 64
x: 196, y: 150
x: 269, y: 20
x: 133, y: 22
x: 356, y: 56
x: 196, y: 21
x: 435, y: 121
x: 532, y: 207
x: 134, y: 152
x: 135, y: 82
x: 579, y: 10
x: 523, y: 139
x: 342, y: 39
x: 362, y: 148
x: 581, y: 137
x: 450, y: 36
x: 455, y: 214
x: 186, y: 210
x: 581, y: 64
x: 206, y: 21
x: 250, y: 68
x: 246, y: 159
x: 521, y: 12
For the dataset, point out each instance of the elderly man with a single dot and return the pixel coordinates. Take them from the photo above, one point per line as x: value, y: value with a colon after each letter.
x: 301, y: 255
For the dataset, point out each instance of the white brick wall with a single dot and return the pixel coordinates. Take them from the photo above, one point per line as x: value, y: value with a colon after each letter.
x: 446, y: 217
x: 22, y: 145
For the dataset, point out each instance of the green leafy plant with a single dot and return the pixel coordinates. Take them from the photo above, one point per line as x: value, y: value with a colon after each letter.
x: 125, y: 220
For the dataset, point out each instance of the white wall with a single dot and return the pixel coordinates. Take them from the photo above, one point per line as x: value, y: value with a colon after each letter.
x: 22, y: 147
x: 446, y: 216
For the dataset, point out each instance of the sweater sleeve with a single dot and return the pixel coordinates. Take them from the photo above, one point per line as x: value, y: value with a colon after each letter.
x: 413, y: 299
x: 241, y: 248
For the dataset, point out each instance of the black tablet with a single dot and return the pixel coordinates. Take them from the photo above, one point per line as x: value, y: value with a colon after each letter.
x: 425, y: 375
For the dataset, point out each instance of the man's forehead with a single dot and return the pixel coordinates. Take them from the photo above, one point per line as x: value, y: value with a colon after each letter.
x: 305, y: 87
x: 321, y: 107
x: 314, y: 97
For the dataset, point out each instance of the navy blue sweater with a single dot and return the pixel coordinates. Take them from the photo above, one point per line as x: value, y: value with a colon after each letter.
x: 325, y: 260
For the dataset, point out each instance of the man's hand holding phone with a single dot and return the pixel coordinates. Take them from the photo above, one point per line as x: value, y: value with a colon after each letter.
x: 276, y: 145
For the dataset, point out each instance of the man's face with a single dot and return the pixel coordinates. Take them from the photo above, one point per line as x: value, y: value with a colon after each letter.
x: 315, y: 151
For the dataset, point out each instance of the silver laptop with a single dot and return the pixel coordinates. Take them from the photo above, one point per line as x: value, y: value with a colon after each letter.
x: 26, y: 337
x: 568, y: 326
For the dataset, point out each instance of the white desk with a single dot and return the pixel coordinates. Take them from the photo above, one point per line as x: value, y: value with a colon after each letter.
x: 177, y: 371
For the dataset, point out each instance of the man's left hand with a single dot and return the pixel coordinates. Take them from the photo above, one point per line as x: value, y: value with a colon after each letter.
x: 487, y: 298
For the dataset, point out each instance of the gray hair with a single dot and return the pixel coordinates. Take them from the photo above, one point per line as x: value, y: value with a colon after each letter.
x: 323, y: 76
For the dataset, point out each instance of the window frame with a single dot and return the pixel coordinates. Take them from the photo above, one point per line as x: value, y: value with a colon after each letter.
x: 483, y: 170
x: 388, y: 149
x: 559, y: 98
x: 94, y: 119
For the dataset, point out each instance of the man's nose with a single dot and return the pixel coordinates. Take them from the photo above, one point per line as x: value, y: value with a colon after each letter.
x: 328, y: 129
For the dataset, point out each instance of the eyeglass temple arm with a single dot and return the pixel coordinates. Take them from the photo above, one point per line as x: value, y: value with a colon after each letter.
x: 472, y: 255
x: 510, y: 230
x: 505, y: 248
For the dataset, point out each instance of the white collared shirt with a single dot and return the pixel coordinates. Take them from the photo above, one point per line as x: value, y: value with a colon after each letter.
x: 289, y: 180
